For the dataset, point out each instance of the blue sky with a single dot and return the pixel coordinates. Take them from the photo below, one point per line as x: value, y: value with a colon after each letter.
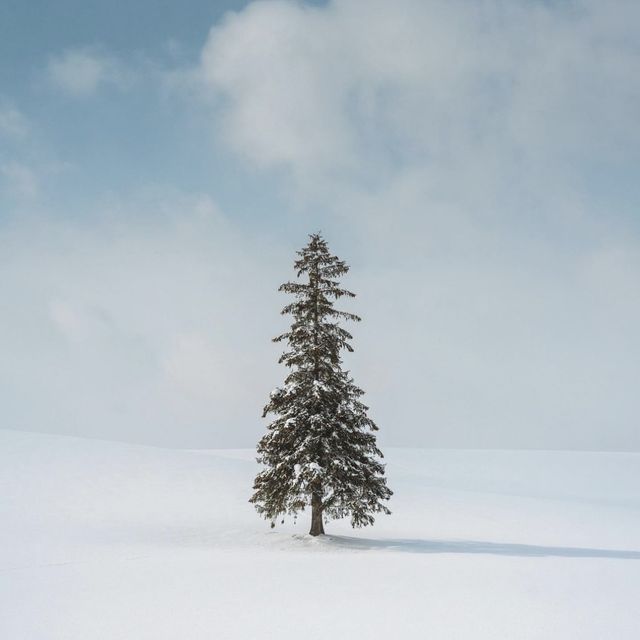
x: 476, y: 163
x: 113, y: 138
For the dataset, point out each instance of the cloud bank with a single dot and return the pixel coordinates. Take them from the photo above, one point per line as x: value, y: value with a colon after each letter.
x: 136, y: 326
x: 473, y: 162
x: 475, y: 154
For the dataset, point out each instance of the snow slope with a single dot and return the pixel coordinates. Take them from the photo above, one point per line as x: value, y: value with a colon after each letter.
x: 101, y: 540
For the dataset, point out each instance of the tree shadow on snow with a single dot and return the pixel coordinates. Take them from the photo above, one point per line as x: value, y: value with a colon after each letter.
x: 476, y: 547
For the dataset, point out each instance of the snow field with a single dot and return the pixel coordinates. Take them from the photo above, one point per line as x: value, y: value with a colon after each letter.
x: 103, y: 540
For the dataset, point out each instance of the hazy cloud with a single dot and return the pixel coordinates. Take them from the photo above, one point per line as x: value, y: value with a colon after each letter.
x: 13, y: 123
x: 81, y: 72
x: 19, y: 180
x: 136, y: 326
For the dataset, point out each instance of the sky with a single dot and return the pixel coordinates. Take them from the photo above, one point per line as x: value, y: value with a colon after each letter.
x: 474, y: 161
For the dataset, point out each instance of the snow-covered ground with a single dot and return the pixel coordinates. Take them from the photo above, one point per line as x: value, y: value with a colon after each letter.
x: 105, y: 541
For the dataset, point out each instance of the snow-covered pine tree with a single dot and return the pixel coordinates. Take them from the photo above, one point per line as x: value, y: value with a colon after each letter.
x: 320, y: 450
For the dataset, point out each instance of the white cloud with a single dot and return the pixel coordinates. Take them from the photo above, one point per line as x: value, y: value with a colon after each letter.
x: 81, y: 72
x: 78, y: 322
x: 285, y: 98
x: 19, y: 179
x: 13, y: 123
x: 517, y: 91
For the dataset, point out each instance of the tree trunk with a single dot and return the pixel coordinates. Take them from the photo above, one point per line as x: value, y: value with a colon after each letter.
x: 317, y: 527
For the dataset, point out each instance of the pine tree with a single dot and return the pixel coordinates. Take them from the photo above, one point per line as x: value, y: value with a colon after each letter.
x: 320, y: 450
